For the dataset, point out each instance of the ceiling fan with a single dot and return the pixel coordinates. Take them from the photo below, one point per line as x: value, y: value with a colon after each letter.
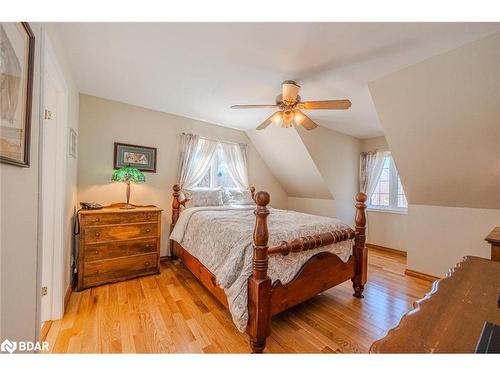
x: 290, y: 108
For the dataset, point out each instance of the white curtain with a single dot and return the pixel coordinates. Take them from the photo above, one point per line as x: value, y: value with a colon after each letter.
x: 195, y: 158
x: 237, y: 164
x: 370, y: 168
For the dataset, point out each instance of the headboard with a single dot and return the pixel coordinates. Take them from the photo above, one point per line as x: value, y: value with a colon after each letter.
x: 176, y: 203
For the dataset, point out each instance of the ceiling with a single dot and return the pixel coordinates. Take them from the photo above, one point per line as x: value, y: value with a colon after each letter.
x: 198, y: 70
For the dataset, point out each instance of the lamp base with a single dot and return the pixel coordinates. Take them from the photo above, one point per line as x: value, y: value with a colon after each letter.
x: 127, y: 207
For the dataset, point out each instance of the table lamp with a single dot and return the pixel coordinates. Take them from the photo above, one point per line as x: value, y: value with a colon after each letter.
x: 128, y: 174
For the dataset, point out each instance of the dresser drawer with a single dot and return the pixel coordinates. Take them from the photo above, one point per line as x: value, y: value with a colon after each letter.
x: 119, y: 232
x: 108, y: 250
x: 120, y: 218
x: 120, y: 268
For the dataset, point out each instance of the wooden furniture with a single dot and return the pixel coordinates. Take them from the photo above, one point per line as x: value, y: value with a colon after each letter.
x: 117, y: 244
x: 494, y: 239
x: 323, y: 271
x: 449, y: 319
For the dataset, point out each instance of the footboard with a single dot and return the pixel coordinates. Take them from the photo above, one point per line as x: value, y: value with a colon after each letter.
x: 321, y: 272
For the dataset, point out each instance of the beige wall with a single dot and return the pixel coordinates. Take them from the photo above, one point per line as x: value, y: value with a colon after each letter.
x: 19, y: 214
x: 439, y: 237
x: 441, y: 120
x: 322, y: 207
x: 374, y: 144
x: 103, y: 122
x: 289, y: 160
x: 318, y: 169
x: 336, y: 157
x: 387, y: 229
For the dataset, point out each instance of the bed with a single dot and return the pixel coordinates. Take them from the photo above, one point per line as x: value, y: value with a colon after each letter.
x: 259, y: 261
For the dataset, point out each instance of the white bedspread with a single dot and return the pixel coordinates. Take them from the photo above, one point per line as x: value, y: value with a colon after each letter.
x: 221, y: 239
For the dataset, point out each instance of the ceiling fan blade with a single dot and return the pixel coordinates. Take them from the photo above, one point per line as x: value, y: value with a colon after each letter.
x: 249, y: 106
x: 269, y: 120
x: 289, y: 92
x: 326, y: 104
x: 303, y: 120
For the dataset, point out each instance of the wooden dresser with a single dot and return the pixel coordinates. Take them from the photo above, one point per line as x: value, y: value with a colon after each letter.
x: 450, y: 318
x: 116, y: 244
x: 494, y: 240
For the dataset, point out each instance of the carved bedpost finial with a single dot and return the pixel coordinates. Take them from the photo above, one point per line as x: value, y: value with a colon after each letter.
x: 359, y: 250
x: 175, y: 203
x: 360, y: 211
x: 252, y: 190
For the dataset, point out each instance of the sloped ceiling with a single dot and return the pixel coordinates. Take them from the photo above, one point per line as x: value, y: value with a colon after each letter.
x: 286, y: 155
x: 441, y: 119
x: 198, y: 70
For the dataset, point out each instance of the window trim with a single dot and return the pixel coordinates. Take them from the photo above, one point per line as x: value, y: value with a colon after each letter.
x: 393, y: 193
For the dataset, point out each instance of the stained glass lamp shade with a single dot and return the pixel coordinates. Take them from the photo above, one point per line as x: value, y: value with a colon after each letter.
x: 128, y: 174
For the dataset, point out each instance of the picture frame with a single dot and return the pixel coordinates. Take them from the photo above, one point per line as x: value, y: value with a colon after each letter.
x: 73, y: 143
x: 141, y: 157
x: 17, y: 42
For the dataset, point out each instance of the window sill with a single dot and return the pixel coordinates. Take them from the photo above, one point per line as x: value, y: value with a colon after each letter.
x: 388, y: 210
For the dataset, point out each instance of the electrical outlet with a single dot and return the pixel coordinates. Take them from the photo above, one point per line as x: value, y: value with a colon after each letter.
x: 44, y: 290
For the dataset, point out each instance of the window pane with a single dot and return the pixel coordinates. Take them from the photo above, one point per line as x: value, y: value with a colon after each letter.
x: 384, y: 200
x: 205, y: 181
x: 384, y: 176
x: 222, y: 176
x: 389, y: 192
x: 384, y: 187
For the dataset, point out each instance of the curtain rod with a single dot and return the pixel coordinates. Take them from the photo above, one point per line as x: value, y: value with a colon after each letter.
x: 217, y: 140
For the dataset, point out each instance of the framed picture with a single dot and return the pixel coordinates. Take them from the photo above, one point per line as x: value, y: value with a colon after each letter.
x: 73, y: 143
x: 141, y: 157
x: 17, y: 48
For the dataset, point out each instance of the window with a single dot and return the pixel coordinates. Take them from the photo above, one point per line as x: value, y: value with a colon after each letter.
x: 389, y: 193
x: 217, y: 175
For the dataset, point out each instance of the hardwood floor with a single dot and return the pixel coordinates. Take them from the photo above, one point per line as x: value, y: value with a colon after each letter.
x: 173, y: 313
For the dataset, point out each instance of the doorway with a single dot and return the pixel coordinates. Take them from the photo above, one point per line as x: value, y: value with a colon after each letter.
x: 53, y: 152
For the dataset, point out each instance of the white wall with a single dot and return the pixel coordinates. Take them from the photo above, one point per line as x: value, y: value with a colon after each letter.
x: 103, y: 122
x: 71, y: 166
x: 19, y: 216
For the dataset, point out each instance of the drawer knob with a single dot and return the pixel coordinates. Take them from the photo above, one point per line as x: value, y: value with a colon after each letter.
x: 96, y: 272
x: 147, y: 264
x: 97, y: 234
x: 148, y: 246
x: 148, y: 216
x: 97, y: 219
x: 148, y: 230
x: 97, y: 251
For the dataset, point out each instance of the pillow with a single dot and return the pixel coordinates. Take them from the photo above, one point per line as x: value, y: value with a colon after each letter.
x: 203, y: 197
x: 236, y: 196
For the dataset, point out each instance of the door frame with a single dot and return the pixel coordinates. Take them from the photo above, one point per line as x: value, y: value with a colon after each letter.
x: 56, y: 269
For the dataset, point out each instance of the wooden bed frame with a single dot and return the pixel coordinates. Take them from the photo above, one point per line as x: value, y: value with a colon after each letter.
x: 323, y: 271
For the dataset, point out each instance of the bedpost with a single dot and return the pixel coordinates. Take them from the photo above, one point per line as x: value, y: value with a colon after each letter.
x: 252, y: 190
x: 176, y: 204
x: 259, y: 284
x: 359, y: 251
